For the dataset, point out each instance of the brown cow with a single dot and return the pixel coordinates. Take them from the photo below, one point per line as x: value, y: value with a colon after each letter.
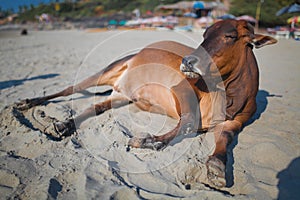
x: 213, y: 86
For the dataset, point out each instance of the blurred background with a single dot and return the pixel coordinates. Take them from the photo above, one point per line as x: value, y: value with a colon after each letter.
x: 266, y: 15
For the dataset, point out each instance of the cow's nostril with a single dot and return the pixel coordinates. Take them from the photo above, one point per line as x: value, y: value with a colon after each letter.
x: 189, y: 61
x: 185, y: 61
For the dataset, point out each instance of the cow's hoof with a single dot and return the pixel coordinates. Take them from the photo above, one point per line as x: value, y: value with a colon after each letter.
x: 66, y: 128
x: 148, y: 142
x: 216, y: 172
x: 28, y: 103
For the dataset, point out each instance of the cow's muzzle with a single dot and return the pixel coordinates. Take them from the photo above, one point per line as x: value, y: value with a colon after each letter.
x: 189, y: 67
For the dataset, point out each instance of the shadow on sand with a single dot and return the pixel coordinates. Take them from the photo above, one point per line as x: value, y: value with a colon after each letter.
x: 289, y: 181
x: 262, y: 102
x: 11, y: 83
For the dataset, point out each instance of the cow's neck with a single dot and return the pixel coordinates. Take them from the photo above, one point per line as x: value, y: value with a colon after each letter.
x: 241, y: 83
x: 245, y: 69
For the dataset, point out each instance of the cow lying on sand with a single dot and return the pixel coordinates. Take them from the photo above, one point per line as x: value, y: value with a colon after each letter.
x: 184, y: 83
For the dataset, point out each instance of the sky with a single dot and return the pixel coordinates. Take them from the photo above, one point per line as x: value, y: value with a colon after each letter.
x: 14, y: 4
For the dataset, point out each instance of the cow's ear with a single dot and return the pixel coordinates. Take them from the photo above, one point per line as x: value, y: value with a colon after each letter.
x: 262, y: 40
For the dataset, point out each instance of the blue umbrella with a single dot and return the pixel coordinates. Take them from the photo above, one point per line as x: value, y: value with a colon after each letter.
x: 295, y: 7
x: 112, y: 22
x: 226, y: 16
x: 122, y: 22
x: 198, y: 5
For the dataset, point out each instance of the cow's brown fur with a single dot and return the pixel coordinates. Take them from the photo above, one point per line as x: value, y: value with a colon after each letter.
x: 155, y: 82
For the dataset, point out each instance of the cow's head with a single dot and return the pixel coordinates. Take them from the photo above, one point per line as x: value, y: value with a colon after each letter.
x: 225, y: 44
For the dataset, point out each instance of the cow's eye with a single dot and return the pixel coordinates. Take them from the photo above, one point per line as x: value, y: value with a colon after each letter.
x: 231, y: 36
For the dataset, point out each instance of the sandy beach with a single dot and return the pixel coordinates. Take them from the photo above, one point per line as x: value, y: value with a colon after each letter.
x: 264, y: 159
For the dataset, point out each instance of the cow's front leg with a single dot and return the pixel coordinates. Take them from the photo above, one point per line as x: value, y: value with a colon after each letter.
x: 184, y: 126
x: 187, y: 107
x: 147, y: 142
x: 216, y: 163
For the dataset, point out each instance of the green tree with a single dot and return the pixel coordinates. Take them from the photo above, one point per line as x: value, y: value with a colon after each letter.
x: 31, y: 7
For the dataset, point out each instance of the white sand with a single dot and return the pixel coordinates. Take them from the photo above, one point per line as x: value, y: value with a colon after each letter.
x: 264, y: 160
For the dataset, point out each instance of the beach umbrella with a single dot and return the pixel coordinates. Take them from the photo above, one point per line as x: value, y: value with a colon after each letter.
x: 226, y: 16
x: 122, y: 22
x: 112, y: 22
x: 295, y: 19
x: 198, y: 5
x: 247, y: 18
x: 292, y: 8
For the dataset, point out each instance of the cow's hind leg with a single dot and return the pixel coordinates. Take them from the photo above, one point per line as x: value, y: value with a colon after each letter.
x: 68, y: 127
x: 29, y: 103
x: 105, y: 77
